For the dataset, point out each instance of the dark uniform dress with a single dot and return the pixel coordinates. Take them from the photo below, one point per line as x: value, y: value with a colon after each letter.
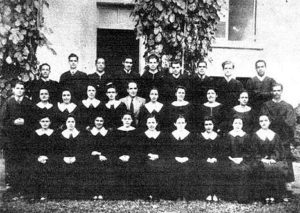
x: 42, y: 180
x: 248, y: 118
x: 63, y: 111
x: 180, y: 174
x: 99, y: 175
x: 273, y: 176
x: 239, y: 145
x: 124, y: 143
x: 71, y: 146
x: 155, y: 177
x: 113, y: 114
x: 185, y: 110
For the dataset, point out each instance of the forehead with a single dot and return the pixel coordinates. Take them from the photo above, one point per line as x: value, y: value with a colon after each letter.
x: 43, y: 91
x: 237, y: 120
x: 91, y: 87
x: 263, y: 117
x: 260, y: 64
x: 151, y: 120
x: 154, y: 91
x: 180, y: 120
x: 99, y: 118
x: 132, y: 85
x: 175, y: 65
x: 228, y: 65
x: 127, y: 116
x: 45, y: 119
x: 208, y: 122
x: 211, y: 91
x: 45, y: 67
x: 100, y: 60
x: 73, y: 58
x: 66, y: 92
x: 243, y: 94
x: 19, y: 86
x: 180, y: 90
x: 152, y: 60
x: 128, y: 60
x: 202, y: 64
x: 71, y: 119
x: 111, y: 90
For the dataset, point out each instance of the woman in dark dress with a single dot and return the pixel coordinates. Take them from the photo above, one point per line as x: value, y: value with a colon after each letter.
x: 180, y: 107
x: 125, y: 159
x: 89, y: 108
x: 181, y: 161
x: 71, y: 157
x: 98, y: 160
x: 153, y: 107
x: 210, y: 157
x: 65, y: 108
x: 269, y: 152
x: 210, y: 108
x: 245, y: 112
x: 113, y: 109
x: 154, y: 159
x: 240, y: 153
x: 40, y: 159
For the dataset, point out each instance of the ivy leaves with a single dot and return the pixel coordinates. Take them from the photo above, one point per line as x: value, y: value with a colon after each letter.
x: 177, y: 27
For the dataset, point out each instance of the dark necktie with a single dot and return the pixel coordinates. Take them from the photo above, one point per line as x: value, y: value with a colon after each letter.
x: 131, y: 106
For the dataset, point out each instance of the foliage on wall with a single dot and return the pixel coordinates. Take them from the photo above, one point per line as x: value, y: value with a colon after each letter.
x: 179, y: 28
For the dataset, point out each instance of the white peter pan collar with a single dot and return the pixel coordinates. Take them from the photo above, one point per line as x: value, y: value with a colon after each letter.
x: 182, y: 134
x: 123, y: 128
x: 116, y: 103
x: 265, y: 134
x: 214, y: 104
x: 212, y: 135
x: 241, y: 109
x: 67, y: 133
x: 180, y: 103
x: 152, y: 134
x: 261, y: 78
x: 42, y: 105
x: 102, y: 131
x: 70, y: 107
x: 153, y: 106
x: 41, y: 132
x: 88, y: 102
x: 240, y: 133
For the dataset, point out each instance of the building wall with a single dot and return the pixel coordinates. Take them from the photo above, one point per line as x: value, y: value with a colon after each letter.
x: 278, y: 28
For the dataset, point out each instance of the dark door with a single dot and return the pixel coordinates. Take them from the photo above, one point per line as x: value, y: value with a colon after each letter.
x: 113, y: 45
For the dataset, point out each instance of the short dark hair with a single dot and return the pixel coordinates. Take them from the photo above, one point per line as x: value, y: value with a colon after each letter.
x: 179, y: 116
x: 109, y: 86
x: 14, y: 84
x: 98, y: 59
x: 202, y: 62
x: 180, y: 87
x: 152, y: 115
x: 127, y: 57
x: 73, y: 55
x: 132, y: 82
x: 44, y: 64
x: 227, y: 62
x: 260, y: 61
x: 175, y: 62
x: 153, y: 56
x: 127, y: 112
x: 209, y: 118
x: 154, y: 88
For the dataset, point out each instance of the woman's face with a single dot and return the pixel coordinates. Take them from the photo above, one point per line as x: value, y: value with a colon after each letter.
x: 45, y: 123
x: 111, y: 93
x: 70, y: 123
x: 180, y: 94
x: 237, y: 124
x: 153, y: 95
x: 44, y: 95
x: 151, y: 123
x: 91, y: 92
x: 264, y: 122
x: 244, y: 98
x: 180, y: 123
x: 211, y: 96
x: 66, y: 97
x: 208, y: 126
x: 99, y: 121
x: 127, y: 120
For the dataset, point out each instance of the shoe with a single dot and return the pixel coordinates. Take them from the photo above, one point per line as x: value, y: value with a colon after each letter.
x: 209, y: 198
x: 215, y: 198
x: 95, y: 197
x: 272, y: 200
x: 43, y: 198
x: 100, y: 197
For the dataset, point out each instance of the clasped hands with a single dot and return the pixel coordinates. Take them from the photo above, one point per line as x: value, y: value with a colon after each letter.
x: 42, y: 159
x: 153, y: 156
x: 211, y: 160
x: 101, y: 157
x: 181, y: 159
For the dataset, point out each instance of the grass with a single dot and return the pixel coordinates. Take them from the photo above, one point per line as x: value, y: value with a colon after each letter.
x: 24, y: 206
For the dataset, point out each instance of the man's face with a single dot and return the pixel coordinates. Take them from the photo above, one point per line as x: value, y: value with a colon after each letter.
x: 45, y: 71
x: 44, y: 95
x: 19, y: 90
x: 277, y: 91
x: 128, y: 64
x: 132, y: 89
x: 73, y: 63
x: 260, y: 69
x: 100, y: 65
x: 153, y: 64
x: 228, y: 68
x: 201, y: 69
x: 176, y: 69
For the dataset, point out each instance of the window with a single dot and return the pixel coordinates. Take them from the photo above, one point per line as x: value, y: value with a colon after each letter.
x: 238, y: 22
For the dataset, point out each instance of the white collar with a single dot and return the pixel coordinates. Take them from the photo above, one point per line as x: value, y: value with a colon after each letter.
x: 153, y: 106
x: 88, y: 102
x: 182, y: 134
x: 67, y: 133
x: 235, y: 133
x: 176, y: 76
x: 70, y: 107
x: 213, y: 135
x: 152, y: 134
x: 41, y: 132
x: 19, y: 98
x: 127, y: 71
x: 201, y: 76
x: 100, y: 74
x: 214, y: 104
x: 73, y: 71
x: 153, y: 73
x: 228, y: 79
x: 116, y: 103
x: 42, y: 105
x: 239, y: 108
x: 261, y: 78
x: 123, y: 128
x: 275, y: 101
x: 102, y: 131
x: 180, y: 103
x: 265, y: 134
x: 45, y: 80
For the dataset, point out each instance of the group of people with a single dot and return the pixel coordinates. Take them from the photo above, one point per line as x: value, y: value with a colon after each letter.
x: 161, y: 135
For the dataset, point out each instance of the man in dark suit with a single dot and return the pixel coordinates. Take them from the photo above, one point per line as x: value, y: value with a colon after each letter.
x: 74, y: 79
x: 132, y: 101
x: 122, y: 77
x: 44, y: 82
x: 100, y: 78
